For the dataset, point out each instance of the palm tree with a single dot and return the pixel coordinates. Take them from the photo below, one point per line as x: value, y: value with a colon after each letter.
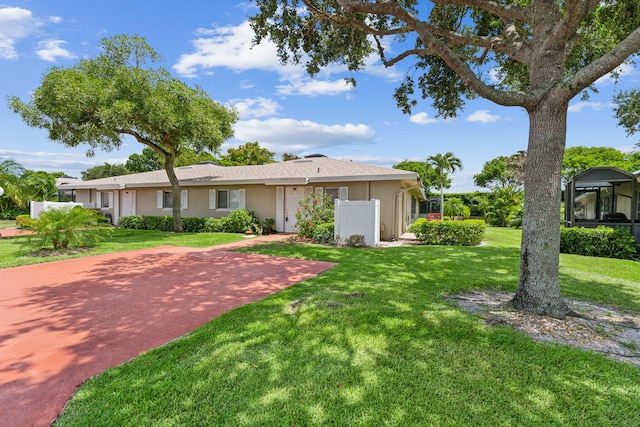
x: 443, y: 164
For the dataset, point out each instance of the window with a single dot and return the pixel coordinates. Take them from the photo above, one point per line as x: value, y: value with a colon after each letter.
x: 341, y: 193
x: 165, y: 199
x: 104, y: 199
x: 226, y: 199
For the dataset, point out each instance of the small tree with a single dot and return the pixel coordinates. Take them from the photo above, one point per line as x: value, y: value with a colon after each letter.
x: 443, y: 164
x: 248, y: 154
x: 99, y: 100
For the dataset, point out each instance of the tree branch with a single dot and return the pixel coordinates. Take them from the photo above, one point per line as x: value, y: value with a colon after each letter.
x: 605, y: 64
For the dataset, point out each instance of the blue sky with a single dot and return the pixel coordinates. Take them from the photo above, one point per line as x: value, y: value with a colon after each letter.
x: 209, y: 44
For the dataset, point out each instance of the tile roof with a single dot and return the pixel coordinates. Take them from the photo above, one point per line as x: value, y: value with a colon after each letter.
x: 294, y: 172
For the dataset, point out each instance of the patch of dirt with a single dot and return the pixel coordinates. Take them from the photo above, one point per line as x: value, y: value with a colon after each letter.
x: 604, y: 329
x: 46, y: 252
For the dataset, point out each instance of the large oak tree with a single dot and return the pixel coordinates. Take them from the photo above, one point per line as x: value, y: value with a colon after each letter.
x: 100, y: 100
x: 533, y: 54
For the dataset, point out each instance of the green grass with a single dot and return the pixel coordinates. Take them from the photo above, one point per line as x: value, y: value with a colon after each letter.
x: 395, y: 354
x: 7, y: 223
x: 14, y: 253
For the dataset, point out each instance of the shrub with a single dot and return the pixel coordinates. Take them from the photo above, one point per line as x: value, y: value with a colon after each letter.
x: 193, y: 224
x: 24, y: 221
x: 64, y: 227
x: 313, y: 211
x: 323, y: 233
x: 12, y: 213
x: 601, y: 241
x: 133, y: 222
x: 213, y: 225
x: 269, y: 226
x: 454, y: 233
x: 238, y: 221
x: 356, y: 241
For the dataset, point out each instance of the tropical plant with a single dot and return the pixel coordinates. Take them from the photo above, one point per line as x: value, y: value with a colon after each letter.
x: 454, y: 207
x: 63, y: 227
x: 101, y: 100
x: 443, y: 164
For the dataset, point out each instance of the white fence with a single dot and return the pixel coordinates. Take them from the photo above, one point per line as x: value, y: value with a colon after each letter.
x: 37, y: 207
x: 358, y: 217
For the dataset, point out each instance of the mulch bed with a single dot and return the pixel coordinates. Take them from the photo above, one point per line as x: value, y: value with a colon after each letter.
x: 604, y: 329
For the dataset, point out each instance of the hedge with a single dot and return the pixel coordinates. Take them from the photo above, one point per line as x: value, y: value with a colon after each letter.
x: 238, y: 221
x: 452, y: 233
x: 605, y: 242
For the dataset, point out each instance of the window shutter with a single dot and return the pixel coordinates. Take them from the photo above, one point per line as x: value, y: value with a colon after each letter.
x: 160, y: 199
x: 241, y: 203
x: 98, y: 199
x: 110, y: 200
x: 308, y: 190
x: 344, y: 193
x: 184, y: 199
x: 212, y: 199
x: 279, y: 209
x: 319, y: 192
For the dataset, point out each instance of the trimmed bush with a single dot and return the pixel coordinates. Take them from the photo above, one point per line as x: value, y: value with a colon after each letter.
x: 193, y: 224
x: 605, y: 242
x: 452, y: 233
x: 213, y: 225
x: 239, y: 221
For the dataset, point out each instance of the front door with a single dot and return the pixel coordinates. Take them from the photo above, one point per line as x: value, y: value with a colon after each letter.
x: 128, y: 202
x: 292, y: 198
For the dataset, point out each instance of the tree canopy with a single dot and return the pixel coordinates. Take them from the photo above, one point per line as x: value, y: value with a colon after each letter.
x: 579, y: 159
x: 427, y: 175
x: 100, y: 100
x: 503, y: 172
x: 250, y: 153
x: 104, y: 171
x: 22, y: 185
x: 535, y: 54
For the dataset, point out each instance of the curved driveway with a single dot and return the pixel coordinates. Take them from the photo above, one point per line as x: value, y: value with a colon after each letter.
x: 65, y: 321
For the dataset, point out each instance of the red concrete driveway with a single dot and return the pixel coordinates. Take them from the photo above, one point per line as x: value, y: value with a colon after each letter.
x: 65, y: 321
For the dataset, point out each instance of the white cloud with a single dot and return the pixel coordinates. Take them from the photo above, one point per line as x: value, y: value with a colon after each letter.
x: 230, y: 47
x: 312, y: 87
x: 51, y: 50
x: 290, y: 135
x: 579, y: 106
x: 483, y: 116
x: 55, y: 19
x: 68, y: 162
x: 622, y: 70
x: 254, y: 107
x: 15, y: 24
x: 627, y: 149
x: 422, y: 119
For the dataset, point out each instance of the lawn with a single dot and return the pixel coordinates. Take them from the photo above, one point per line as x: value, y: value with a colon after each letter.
x: 372, y: 342
x: 14, y: 253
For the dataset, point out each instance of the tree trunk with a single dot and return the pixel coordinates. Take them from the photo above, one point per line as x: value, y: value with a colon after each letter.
x: 175, y: 193
x: 538, y: 288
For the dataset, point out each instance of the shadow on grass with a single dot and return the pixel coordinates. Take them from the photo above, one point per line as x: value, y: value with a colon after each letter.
x: 393, y: 353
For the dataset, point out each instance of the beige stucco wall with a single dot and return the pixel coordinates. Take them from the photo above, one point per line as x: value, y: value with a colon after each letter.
x: 394, y: 203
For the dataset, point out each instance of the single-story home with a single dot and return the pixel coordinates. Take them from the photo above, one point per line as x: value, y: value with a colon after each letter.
x: 604, y: 195
x: 271, y: 191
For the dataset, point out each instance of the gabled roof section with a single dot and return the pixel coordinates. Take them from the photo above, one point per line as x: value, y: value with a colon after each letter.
x: 292, y: 172
x: 608, y: 174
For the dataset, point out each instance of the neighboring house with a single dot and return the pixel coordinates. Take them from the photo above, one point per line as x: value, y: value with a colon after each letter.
x: 604, y: 195
x: 271, y: 191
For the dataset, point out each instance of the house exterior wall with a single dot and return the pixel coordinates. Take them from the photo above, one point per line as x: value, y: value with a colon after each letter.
x: 395, y: 204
